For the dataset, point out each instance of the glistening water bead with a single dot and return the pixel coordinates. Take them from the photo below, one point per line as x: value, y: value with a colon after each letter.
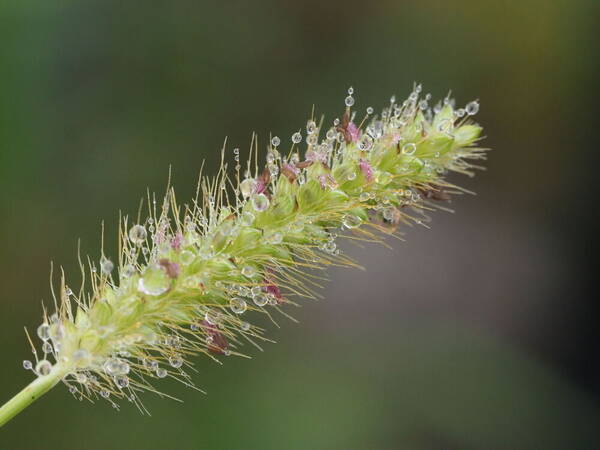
x: 260, y: 202
x: 154, y: 281
x: 409, y: 148
x: 43, y: 367
x: 472, y: 108
x: 238, y: 305
x: 137, y: 234
x: 106, y: 266
x: 296, y: 137
x: 43, y: 332
x: 247, y: 187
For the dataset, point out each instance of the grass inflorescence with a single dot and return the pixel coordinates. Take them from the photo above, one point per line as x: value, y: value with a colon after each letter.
x: 189, y: 277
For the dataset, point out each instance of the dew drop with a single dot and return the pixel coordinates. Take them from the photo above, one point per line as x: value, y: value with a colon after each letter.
x: 311, y: 127
x: 186, y: 257
x: 104, y: 393
x: 329, y: 247
x: 365, y: 143
x: 244, y: 326
x: 43, y: 367
x: 260, y: 202
x: 409, y: 148
x: 296, y: 137
x: 106, y: 266
x: 27, y: 365
x: 349, y: 101
x: 161, y: 373
x: 248, y: 271
x: 260, y: 300
x: 47, y: 347
x: 176, y: 361
x: 275, y: 141
x: 246, y: 218
x: 155, y: 281
x: 81, y: 356
x: 238, y: 305
x: 351, y: 221
x: 137, y: 234
x: 121, y: 381
x: 247, y: 187
x: 370, y: 110
x: 128, y: 271
x: 274, y: 238
x: 212, y: 317
x: 472, y: 108
x: 43, y: 331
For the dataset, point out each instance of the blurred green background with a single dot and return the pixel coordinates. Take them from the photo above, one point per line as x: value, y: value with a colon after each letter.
x: 477, y: 334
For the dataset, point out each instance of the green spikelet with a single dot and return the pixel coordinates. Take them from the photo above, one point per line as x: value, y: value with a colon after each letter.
x: 190, y: 278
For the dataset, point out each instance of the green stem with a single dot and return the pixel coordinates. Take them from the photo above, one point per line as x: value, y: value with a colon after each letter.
x: 30, y: 393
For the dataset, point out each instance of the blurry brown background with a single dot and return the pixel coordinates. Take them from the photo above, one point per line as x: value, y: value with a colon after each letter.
x: 477, y: 334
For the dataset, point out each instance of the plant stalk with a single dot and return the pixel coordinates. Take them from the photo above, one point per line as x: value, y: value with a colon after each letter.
x: 30, y: 393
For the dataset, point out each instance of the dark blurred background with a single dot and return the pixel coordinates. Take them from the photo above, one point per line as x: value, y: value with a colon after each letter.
x: 477, y: 334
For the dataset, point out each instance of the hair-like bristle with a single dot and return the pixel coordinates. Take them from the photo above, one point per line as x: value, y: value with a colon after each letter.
x: 190, y: 277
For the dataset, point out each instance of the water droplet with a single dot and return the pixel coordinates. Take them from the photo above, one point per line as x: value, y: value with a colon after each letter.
x: 244, y: 326
x: 370, y: 110
x: 212, y: 317
x: 472, y: 108
x: 248, y: 271
x: 104, y: 393
x: 186, y: 257
x: 247, y: 187
x: 81, y: 356
x: 275, y: 141
x: 445, y: 126
x: 137, y: 234
x: 246, y: 218
x: 176, y: 361
x: 155, y: 281
x: 238, y: 305
x: 351, y: 176
x: 161, y: 373
x: 409, y: 148
x: 43, y: 331
x: 47, y: 347
x: 27, y: 365
x: 329, y: 247
x: 260, y: 202
x: 349, y: 101
x: 43, y: 367
x: 106, y: 266
x: 260, y: 300
x: 128, y: 271
x: 116, y: 366
x: 296, y: 137
x: 311, y: 127
x: 121, y: 381
x: 351, y: 221
x: 365, y: 143
x: 81, y: 377
x: 274, y: 238
x: 389, y: 213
